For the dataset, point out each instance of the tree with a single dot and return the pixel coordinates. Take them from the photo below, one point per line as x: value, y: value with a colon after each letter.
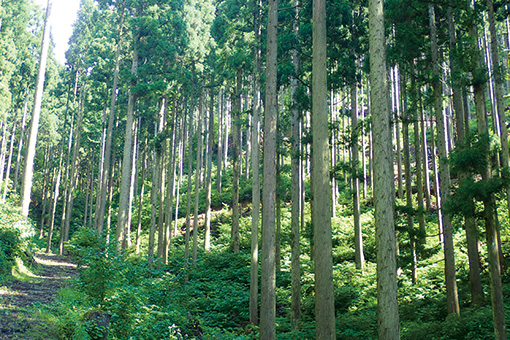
x: 268, y: 279
x: 36, y: 115
x: 102, y: 189
x: 126, y: 159
x: 387, y: 308
x: 444, y: 172
x: 321, y: 210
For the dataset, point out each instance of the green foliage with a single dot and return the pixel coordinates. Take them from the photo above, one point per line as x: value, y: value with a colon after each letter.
x: 15, y: 238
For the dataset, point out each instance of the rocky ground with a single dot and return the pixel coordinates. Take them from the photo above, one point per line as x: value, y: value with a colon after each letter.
x: 20, y: 299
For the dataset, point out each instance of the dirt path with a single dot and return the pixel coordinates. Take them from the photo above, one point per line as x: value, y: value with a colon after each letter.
x: 17, y: 298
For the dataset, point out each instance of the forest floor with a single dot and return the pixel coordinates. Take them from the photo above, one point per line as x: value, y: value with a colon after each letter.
x: 21, y: 297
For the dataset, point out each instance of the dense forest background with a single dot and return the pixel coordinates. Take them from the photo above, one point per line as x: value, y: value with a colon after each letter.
x: 362, y: 146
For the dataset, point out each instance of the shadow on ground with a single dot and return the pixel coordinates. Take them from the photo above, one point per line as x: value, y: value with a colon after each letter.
x: 20, y: 297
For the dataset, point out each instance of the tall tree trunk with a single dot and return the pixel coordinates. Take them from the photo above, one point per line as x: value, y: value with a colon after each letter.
x: 425, y: 154
x: 9, y: 163
x: 208, y: 194
x: 409, y: 191
x: 296, y: 183
x: 21, y: 141
x: 45, y: 188
x: 255, y: 165
x: 498, y: 91
x: 36, y: 115
x: 384, y: 191
x: 140, y: 200
x: 221, y: 119
x: 100, y: 208
x: 396, y: 128
x: 489, y: 202
x: 444, y: 173
x: 490, y: 225
x: 414, y: 94
x: 122, y: 219
x: 188, y: 195
x: 170, y: 188
x: 182, y: 150
x: 321, y: 211
x: 133, y: 183
x: 268, y: 279
x: 477, y: 295
x: 359, y: 258
x: 236, y: 162
x: 73, y: 175
x: 198, y: 171
x: 156, y: 180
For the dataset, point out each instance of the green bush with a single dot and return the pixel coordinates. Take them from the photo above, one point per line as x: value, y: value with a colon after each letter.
x: 15, y: 237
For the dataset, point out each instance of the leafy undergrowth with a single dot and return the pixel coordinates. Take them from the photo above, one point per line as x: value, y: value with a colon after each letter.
x: 209, y: 300
x: 16, y: 241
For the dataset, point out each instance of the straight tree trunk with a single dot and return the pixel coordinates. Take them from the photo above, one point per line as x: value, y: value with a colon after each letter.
x: 208, y: 193
x: 359, y: 258
x: 422, y: 236
x: 140, y: 201
x: 182, y: 150
x: 321, y: 210
x: 498, y: 91
x: 188, y: 195
x: 122, y: 219
x: 132, y: 185
x: 156, y: 180
x: 296, y: 184
x: 444, y: 174
x: 219, y: 166
x: 73, y: 175
x: 409, y: 193
x: 236, y: 162
x: 255, y: 165
x: 491, y: 232
x: 396, y: 128
x: 101, y: 205
x: 477, y: 295
x: 9, y: 163
x: 36, y: 115
x: 490, y: 226
x: 425, y: 155
x: 21, y: 141
x: 198, y: 171
x: 384, y: 191
x: 167, y: 233
x: 268, y: 278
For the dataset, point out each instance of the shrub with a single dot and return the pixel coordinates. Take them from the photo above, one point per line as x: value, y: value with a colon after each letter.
x: 15, y: 237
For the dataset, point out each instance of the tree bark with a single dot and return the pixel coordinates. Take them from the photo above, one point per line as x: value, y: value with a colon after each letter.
x: 36, y: 115
x: 156, y: 180
x: 296, y: 183
x: 359, y: 258
x: 321, y: 211
x: 255, y: 165
x: 384, y: 191
x: 198, y: 170
x: 268, y: 284
x: 73, y: 175
x: 236, y: 161
x: 9, y: 164
x: 444, y: 173
x: 101, y: 204
x: 122, y: 219
x: 169, y: 206
x: 208, y: 194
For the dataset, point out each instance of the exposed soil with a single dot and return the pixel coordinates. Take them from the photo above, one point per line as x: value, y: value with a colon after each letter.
x: 19, y: 299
